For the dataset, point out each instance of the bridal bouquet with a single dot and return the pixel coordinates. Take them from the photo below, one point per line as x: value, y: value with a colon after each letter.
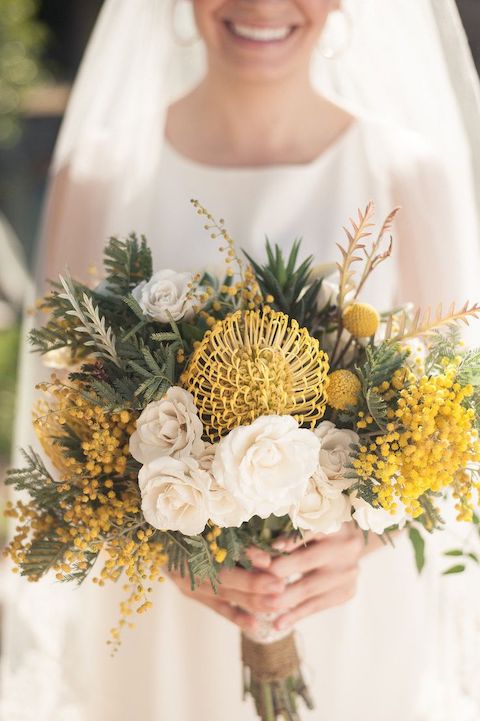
x: 191, y: 418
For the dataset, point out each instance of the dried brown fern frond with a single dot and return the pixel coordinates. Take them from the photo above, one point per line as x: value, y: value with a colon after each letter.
x: 352, y: 253
x: 375, y: 256
x: 425, y: 322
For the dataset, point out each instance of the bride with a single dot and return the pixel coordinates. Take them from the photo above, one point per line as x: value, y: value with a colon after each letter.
x: 283, y: 117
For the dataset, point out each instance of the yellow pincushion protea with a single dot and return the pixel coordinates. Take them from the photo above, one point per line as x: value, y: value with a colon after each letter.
x: 256, y: 363
x: 343, y: 389
x: 361, y: 320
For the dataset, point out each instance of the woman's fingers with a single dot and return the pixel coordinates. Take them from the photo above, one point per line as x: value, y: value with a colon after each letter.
x: 287, y: 545
x: 204, y: 594
x: 338, y: 551
x: 251, y: 602
x: 316, y: 583
x: 335, y: 597
x: 259, y: 559
x: 235, y: 615
x: 238, y: 579
x: 257, y: 582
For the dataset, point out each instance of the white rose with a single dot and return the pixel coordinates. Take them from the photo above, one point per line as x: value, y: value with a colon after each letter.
x: 175, y: 494
x: 168, y: 427
x: 166, y: 295
x: 266, y: 466
x: 225, y: 510
x: 323, y: 507
x: 206, y: 456
x: 336, y: 452
x: 375, y: 519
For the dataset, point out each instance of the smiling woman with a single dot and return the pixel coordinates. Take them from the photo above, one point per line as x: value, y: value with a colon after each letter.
x: 237, y: 120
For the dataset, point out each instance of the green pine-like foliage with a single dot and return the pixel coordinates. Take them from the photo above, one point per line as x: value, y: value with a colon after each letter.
x: 288, y: 282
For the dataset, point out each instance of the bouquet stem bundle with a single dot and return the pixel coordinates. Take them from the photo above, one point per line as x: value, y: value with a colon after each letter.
x: 273, y: 677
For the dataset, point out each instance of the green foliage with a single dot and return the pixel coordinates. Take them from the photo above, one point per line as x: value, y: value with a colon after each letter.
x: 377, y: 407
x: 36, y: 480
x: 190, y: 554
x: 127, y: 262
x: 469, y: 369
x: 380, y: 364
x: 9, y: 342
x: 418, y: 544
x: 80, y: 574
x: 290, y: 285
x: 136, y: 354
x: 22, y: 41
x: 100, y: 336
x: 442, y: 345
x: 458, y: 568
x: 35, y: 473
x: 41, y: 556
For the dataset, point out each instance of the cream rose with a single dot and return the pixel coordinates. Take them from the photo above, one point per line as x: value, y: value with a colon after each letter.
x: 336, y: 452
x: 225, y: 510
x: 175, y: 494
x: 375, y: 519
x: 266, y: 466
x: 323, y: 507
x: 166, y: 295
x: 168, y: 427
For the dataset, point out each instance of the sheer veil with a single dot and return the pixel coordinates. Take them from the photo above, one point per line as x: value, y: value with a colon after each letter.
x: 406, y: 60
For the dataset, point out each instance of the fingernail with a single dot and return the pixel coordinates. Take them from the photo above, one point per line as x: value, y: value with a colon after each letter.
x: 280, y: 545
x: 261, y: 561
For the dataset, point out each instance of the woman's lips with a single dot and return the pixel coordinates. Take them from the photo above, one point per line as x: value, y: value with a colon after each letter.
x: 259, y: 34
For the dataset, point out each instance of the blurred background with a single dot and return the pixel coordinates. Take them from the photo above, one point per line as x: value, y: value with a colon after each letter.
x: 41, y: 44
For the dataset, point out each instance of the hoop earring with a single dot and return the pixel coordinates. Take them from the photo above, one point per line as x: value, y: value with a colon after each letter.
x: 182, y: 15
x: 341, y: 28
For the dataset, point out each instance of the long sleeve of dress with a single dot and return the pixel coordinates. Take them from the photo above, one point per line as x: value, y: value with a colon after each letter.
x: 438, y: 246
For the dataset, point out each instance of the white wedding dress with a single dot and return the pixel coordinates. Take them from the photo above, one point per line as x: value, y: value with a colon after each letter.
x: 379, y: 657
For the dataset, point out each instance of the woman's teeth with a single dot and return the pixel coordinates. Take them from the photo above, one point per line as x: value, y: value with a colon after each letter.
x: 258, y: 34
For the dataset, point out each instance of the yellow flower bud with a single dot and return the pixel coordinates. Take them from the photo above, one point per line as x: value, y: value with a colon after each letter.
x: 343, y: 390
x: 361, y: 320
x: 221, y: 555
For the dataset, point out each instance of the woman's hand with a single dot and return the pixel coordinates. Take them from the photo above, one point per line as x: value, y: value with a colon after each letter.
x: 329, y: 565
x: 241, y: 594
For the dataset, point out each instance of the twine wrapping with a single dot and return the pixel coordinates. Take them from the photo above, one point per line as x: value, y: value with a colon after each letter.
x: 270, y: 662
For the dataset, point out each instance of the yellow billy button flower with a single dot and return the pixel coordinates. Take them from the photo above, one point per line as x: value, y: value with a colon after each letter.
x: 343, y: 389
x: 361, y: 320
x: 256, y: 363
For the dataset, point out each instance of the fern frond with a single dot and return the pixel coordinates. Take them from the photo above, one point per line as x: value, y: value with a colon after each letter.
x: 377, y: 407
x: 428, y: 321
x: 469, y: 370
x: 374, y: 256
x: 352, y: 252
x: 41, y: 556
x: 127, y: 263
x: 92, y: 323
